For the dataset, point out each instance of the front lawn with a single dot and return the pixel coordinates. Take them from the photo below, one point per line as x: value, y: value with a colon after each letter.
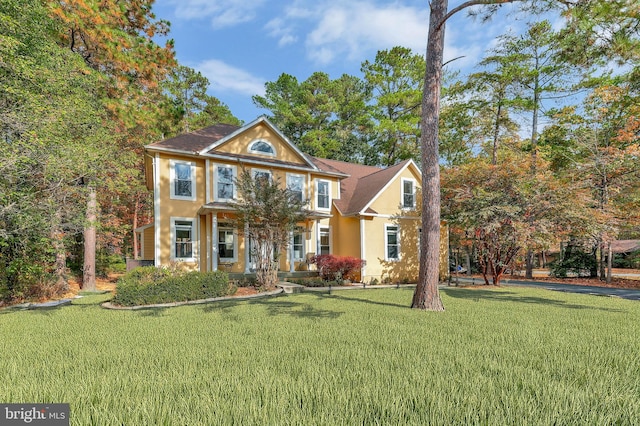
x: 511, y: 356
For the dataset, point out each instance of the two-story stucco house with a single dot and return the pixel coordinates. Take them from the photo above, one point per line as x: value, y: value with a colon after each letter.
x: 354, y: 210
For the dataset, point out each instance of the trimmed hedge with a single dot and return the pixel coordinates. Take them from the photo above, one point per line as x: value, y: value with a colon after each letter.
x: 150, y: 285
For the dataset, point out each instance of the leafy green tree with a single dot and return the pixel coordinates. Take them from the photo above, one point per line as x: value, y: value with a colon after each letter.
x: 117, y: 39
x: 324, y: 117
x: 189, y: 104
x: 395, y: 79
x: 494, y: 95
x: 54, y: 134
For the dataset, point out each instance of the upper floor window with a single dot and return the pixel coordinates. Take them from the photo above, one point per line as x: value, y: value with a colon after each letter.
x: 408, y: 193
x: 183, y: 180
x: 262, y: 147
x: 295, y: 183
x: 261, y: 176
x: 323, y: 194
x: 225, y: 186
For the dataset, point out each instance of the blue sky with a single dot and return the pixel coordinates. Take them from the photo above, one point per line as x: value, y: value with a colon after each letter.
x: 239, y: 45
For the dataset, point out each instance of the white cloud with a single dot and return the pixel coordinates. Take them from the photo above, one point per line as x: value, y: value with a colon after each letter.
x: 278, y: 28
x: 222, y: 13
x: 226, y: 78
x: 356, y: 29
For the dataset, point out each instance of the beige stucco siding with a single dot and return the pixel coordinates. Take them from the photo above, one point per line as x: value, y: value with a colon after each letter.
x: 147, y: 249
x: 240, y: 145
x: 179, y: 209
x: 378, y: 267
x: 389, y: 201
x: 347, y: 236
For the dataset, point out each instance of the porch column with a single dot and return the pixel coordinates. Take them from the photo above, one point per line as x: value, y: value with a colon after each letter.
x: 363, y: 247
x: 207, y: 232
x: 247, y: 266
x: 291, y: 252
x: 214, y: 238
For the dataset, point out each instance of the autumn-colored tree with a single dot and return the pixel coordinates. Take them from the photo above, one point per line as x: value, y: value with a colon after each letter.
x: 117, y: 39
x: 268, y: 212
x: 492, y: 205
x: 604, y: 159
x: 426, y: 295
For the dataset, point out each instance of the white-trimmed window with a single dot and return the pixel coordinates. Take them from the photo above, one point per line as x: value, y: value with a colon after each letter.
x: 227, y: 244
x: 183, y: 175
x: 225, y: 188
x: 391, y: 242
x: 183, y: 239
x: 298, y: 246
x: 295, y: 183
x: 323, y: 194
x: 324, y: 240
x: 408, y: 193
x: 262, y: 147
x: 259, y: 174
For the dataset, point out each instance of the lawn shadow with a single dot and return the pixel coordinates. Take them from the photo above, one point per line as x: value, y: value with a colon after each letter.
x: 282, y: 305
x: 342, y: 295
x: 476, y: 294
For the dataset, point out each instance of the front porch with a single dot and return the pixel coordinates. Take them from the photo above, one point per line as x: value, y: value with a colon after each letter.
x: 224, y: 247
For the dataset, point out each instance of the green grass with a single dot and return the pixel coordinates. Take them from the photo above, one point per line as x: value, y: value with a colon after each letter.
x: 513, y: 356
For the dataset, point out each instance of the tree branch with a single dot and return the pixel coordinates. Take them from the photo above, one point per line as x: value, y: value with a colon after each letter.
x: 469, y: 4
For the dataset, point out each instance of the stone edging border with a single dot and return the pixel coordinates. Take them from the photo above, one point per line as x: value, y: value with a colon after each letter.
x: 109, y: 305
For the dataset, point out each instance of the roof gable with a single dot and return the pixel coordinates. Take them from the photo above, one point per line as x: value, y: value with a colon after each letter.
x: 364, y: 184
x: 194, y: 142
x: 240, y: 142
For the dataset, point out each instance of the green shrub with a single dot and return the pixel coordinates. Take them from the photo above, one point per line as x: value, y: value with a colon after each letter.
x: 109, y: 264
x: 150, y: 285
x: 575, y: 261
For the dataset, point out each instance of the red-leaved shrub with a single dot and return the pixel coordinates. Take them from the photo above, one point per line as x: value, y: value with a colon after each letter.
x: 337, y: 268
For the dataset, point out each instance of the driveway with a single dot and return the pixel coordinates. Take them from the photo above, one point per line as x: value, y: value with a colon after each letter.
x: 624, y: 293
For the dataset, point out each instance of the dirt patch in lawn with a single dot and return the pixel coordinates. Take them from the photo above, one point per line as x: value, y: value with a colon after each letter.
x: 102, y: 284
x: 246, y: 291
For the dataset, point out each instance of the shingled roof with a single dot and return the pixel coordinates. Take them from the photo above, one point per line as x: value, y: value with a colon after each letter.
x: 363, y: 184
x: 197, y: 140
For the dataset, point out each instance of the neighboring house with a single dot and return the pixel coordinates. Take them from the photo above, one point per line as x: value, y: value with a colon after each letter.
x: 354, y: 210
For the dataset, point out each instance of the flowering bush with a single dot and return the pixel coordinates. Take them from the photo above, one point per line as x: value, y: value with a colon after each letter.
x: 337, y: 268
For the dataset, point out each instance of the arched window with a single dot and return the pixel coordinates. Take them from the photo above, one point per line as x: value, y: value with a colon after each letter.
x: 262, y: 147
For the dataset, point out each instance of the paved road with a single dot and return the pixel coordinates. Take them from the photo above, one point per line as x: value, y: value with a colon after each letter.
x: 624, y: 293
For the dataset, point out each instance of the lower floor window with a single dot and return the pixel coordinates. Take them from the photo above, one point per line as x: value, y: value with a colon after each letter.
x: 183, y: 244
x: 324, y: 246
x: 227, y: 244
x: 298, y: 246
x: 392, y: 243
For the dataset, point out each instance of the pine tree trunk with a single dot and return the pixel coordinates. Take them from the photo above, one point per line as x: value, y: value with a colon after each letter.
x: 89, y: 267
x: 426, y: 295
